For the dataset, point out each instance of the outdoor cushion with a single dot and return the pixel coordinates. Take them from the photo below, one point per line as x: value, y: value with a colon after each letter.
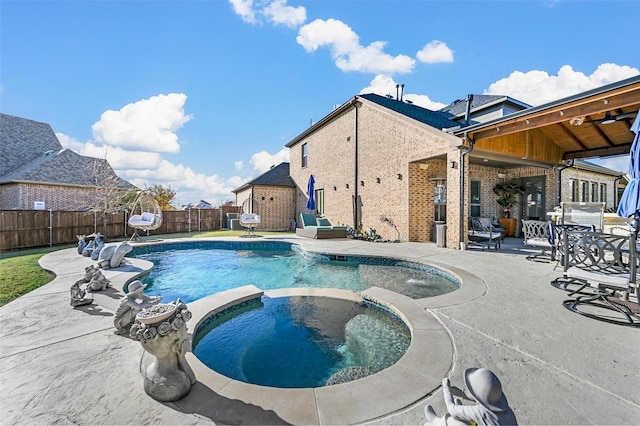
x: 148, y: 217
x: 308, y: 219
x: 323, y: 222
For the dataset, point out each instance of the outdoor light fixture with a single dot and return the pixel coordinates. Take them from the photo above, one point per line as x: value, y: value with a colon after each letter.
x: 377, y: 180
x: 335, y: 188
x: 454, y: 165
x: 346, y: 185
x: 399, y: 176
x: 501, y: 175
x: 608, y: 118
x: 361, y: 183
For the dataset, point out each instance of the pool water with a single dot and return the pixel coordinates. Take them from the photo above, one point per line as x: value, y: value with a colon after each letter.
x: 301, y: 341
x: 190, y: 274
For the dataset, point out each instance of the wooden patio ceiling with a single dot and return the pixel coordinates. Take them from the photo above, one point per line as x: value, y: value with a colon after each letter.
x: 564, y: 130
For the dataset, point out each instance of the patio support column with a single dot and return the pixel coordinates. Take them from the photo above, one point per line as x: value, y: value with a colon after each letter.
x: 454, y: 188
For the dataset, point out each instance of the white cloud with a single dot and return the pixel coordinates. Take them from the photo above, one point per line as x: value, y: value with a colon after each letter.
x: 346, y: 50
x: 147, y: 125
x: 618, y: 163
x: 385, y: 85
x: 190, y: 185
x: 435, y: 52
x: 238, y: 164
x: 244, y: 9
x: 70, y: 143
x: 538, y: 87
x: 263, y: 161
x: 280, y: 13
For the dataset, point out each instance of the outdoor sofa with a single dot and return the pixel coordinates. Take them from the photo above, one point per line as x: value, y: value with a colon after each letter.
x: 319, y: 228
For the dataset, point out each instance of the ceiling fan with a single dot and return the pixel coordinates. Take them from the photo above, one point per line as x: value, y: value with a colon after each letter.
x: 610, y: 118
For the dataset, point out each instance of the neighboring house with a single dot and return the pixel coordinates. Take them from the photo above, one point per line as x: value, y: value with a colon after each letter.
x: 37, y: 173
x: 202, y: 204
x: 275, y: 194
x: 377, y: 160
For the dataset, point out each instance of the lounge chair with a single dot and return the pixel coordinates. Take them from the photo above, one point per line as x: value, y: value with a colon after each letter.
x: 606, y: 265
x: 537, y: 234
x: 483, y: 233
x: 319, y: 228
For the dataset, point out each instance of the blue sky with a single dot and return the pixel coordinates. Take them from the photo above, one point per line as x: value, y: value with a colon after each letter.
x: 203, y: 95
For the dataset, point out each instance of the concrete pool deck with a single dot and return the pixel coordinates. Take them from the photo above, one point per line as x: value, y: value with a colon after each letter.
x: 64, y: 365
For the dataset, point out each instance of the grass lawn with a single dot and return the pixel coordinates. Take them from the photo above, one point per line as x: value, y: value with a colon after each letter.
x: 20, y: 272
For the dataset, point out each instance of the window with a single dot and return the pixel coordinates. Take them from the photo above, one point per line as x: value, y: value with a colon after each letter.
x: 594, y: 192
x: 305, y: 155
x: 584, y: 191
x: 319, y: 194
x: 603, y: 192
x: 475, y: 198
x: 573, y: 189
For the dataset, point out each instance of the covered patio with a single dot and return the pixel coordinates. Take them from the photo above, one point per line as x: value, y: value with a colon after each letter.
x: 536, y: 145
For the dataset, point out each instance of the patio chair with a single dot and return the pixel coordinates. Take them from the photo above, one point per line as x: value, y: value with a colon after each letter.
x: 606, y: 264
x: 483, y: 233
x: 537, y: 234
x: 574, y: 213
x: 557, y: 239
x: 250, y: 217
x: 146, y: 214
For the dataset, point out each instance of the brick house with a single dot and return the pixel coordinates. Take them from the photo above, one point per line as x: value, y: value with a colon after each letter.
x: 377, y: 160
x: 274, y: 193
x: 37, y: 173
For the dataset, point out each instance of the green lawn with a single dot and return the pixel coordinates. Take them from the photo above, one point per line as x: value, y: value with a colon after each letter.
x: 20, y: 272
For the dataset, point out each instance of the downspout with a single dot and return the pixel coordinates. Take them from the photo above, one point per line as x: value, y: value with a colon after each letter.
x: 356, y: 104
x: 615, y: 191
x: 571, y: 162
x: 465, y: 150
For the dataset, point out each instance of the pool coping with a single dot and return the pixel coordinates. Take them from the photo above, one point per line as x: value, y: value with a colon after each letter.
x: 417, y: 374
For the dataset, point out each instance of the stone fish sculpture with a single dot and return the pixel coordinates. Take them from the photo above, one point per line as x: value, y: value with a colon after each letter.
x: 113, y: 256
x: 162, y: 332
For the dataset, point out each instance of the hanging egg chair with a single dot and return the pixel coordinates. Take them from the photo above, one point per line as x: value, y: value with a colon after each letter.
x: 146, y: 214
x: 250, y: 216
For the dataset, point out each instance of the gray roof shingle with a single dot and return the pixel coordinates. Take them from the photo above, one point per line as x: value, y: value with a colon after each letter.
x: 276, y: 176
x: 31, y: 152
x: 23, y: 140
x: 436, y: 119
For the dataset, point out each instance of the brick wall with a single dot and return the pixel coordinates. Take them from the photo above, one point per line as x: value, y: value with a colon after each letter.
x: 21, y: 196
x: 276, y: 205
x: 390, y: 182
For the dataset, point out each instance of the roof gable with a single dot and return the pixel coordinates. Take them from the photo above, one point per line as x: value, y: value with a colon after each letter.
x: 66, y: 167
x: 276, y: 176
x: 23, y: 140
x: 436, y: 119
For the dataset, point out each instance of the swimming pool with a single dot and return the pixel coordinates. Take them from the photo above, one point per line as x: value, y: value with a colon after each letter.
x: 192, y: 270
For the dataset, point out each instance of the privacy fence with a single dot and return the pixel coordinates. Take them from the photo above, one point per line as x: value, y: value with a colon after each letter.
x: 21, y: 229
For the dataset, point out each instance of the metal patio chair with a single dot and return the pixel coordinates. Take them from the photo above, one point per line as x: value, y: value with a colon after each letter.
x: 606, y: 264
x: 538, y: 235
x: 483, y: 233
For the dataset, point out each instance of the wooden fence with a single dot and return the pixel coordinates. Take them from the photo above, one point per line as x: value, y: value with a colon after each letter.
x: 21, y: 229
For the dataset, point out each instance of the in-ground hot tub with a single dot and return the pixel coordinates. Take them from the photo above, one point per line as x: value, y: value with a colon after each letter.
x: 413, y: 376
x: 301, y: 341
